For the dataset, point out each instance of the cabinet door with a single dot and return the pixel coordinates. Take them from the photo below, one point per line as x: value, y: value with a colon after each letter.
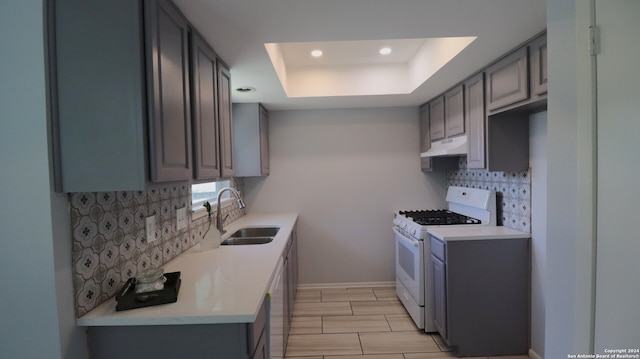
x: 288, y: 305
x: 168, y: 92
x: 454, y: 111
x: 475, y: 117
x: 539, y: 65
x: 205, y: 114
x: 100, y: 117
x: 439, y: 295
x: 224, y: 117
x: 425, y: 138
x: 436, y: 119
x: 294, y: 264
x: 262, y: 351
x: 508, y: 80
x: 264, y: 141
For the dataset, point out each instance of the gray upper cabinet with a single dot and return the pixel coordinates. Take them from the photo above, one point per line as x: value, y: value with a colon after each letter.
x: 225, y: 121
x: 168, y: 103
x: 264, y: 141
x: 436, y: 119
x: 454, y: 111
x: 99, y: 93
x: 475, y: 118
x: 492, y: 109
x: 206, y: 149
x: 250, y: 139
x: 121, y: 92
x: 425, y: 138
x: 538, y: 49
x: 508, y: 80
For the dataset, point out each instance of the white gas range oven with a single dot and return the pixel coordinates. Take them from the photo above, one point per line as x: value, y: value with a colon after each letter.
x: 465, y: 207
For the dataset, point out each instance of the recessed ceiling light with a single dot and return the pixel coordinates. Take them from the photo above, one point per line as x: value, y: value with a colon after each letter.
x: 316, y: 53
x: 246, y: 89
x: 385, y: 51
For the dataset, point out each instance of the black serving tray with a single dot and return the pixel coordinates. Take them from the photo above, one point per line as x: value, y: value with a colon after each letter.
x: 128, y: 299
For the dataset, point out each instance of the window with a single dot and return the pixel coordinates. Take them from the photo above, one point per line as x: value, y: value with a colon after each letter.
x: 207, y: 192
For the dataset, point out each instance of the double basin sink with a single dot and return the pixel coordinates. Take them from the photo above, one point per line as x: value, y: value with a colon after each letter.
x: 251, y: 235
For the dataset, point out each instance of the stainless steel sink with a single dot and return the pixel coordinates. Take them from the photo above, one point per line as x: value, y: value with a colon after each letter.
x: 256, y: 232
x: 251, y: 235
x: 235, y: 241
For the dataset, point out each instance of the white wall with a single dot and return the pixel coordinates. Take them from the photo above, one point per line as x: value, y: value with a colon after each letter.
x: 538, y: 164
x: 570, y: 210
x: 617, y: 321
x: 29, y: 309
x: 38, y: 311
x: 345, y: 172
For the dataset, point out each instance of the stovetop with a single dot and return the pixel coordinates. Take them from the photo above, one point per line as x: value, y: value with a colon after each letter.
x: 438, y: 217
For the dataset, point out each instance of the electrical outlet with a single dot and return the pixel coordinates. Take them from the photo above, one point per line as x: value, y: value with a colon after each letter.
x: 181, y: 218
x: 150, y: 225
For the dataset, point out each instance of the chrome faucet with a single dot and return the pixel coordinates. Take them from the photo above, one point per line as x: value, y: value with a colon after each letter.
x: 219, y: 219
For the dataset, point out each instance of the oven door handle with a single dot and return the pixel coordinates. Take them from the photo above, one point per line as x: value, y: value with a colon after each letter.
x: 409, y: 241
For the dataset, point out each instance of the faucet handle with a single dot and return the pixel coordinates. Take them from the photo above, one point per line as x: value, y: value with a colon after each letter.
x: 220, y: 225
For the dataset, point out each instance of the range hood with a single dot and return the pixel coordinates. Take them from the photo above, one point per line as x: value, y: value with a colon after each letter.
x: 454, y: 146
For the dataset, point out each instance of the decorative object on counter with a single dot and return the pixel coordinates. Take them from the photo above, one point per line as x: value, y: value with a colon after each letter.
x: 210, y: 238
x: 150, y: 280
x: 128, y: 298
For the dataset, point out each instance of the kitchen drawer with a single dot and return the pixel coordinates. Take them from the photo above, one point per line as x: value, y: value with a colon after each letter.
x: 438, y: 249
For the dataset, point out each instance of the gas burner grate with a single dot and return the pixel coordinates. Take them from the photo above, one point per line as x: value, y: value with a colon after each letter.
x: 439, y: 217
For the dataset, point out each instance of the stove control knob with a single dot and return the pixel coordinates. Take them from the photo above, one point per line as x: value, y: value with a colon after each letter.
x: 413, y: 231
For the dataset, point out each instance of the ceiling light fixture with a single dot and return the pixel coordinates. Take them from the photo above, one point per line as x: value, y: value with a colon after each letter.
x: 246, y: 89
x: 316, y: 53
x: 385, y: 51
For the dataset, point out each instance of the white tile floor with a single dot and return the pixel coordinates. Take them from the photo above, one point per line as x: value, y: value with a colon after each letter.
x: 359, y: 323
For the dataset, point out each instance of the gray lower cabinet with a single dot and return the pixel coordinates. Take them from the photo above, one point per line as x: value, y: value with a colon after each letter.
x: 481, y: 295
x: 250, y: 139
x: 238, y: 340
x: 475, y: 117
x: 225, y: 120
x: 290, y: 282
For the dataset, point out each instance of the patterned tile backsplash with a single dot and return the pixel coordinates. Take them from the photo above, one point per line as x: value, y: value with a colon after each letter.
x: 513, y: 192
x: 109, y: 242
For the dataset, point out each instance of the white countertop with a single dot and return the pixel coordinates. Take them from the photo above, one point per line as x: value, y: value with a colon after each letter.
x: 467, y: 233
x: 221, y: 285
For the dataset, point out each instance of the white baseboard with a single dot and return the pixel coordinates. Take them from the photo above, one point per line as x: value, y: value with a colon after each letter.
x: 347, y: 285
x: 534, y: 355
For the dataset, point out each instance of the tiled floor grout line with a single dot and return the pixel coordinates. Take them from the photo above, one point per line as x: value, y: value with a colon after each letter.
x: 387, y: 316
